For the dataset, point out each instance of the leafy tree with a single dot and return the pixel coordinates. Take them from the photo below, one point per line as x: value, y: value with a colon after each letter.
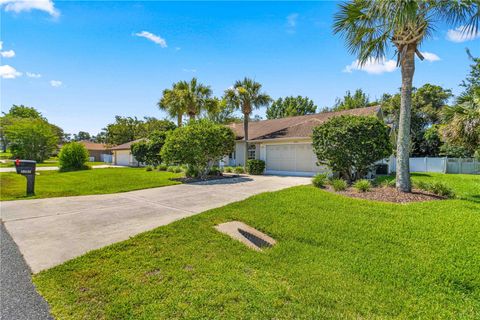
x: 245, y: 95
x: 82, y: 136
x: 290, y: 106
x: 21, y: 111
x: 199, y: 145
x: 148, y: 150
x: 73, y: 156
x: 370, y: 28
x: 431, y: 143
x: 189, y: 98
x: 427, y: 104
x: 358, y: 100
x: 126, y: 129
x: 32, y: 139
x: 350, y: 144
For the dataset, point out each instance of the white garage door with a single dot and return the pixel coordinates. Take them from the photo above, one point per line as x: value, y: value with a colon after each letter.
x: 292, y: 158
x: 122, y: 158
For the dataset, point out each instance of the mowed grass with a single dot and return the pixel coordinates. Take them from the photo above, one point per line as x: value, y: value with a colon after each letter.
x: 47, y: 163
x: 96, y: 181
x: 336, y: 258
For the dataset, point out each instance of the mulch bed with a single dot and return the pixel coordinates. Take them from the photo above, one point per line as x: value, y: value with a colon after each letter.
x: 387, y: 194
x: 208, y: 178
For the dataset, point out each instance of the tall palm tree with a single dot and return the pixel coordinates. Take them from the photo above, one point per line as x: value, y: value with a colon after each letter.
x: 185, y: 97
x: 195, y: 96
x: 245, y: 95
x: 172, y: 103
x: 371, y: 27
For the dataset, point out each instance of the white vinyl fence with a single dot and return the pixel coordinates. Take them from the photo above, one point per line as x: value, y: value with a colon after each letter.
x: 442, y: 165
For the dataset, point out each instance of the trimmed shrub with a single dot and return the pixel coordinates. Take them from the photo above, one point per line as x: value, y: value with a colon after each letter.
x: 214, y: 171
x: 174, y: 169
x: 363, y: 185
x: 73, y: 156
x: 239, y: 170
x: 192, y: 172
x: 388, y: 183
x: 350, y: 144
x: 149, y: 168
x: 228, y: 169
x: 438, y: 188
x: 162, y: 167
x: 198, y: 144
x: 339, y: 184
x: 255, y: 167
x: 441, y: 189
x: 320, y: 180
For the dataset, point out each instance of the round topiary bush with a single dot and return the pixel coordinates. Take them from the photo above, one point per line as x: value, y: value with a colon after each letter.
x: 73, y: 156
x: 255, y: 167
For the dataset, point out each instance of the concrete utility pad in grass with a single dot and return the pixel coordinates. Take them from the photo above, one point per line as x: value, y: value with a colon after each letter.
x: 249, y: 236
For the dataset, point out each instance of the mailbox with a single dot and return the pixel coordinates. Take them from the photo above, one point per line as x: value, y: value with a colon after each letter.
x: 25, y: 166
x: 27, y: 169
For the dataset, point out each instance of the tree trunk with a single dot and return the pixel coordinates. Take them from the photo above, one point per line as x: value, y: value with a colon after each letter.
x: 179, y: 120
x: 245, y: 130
x: 403, y: 140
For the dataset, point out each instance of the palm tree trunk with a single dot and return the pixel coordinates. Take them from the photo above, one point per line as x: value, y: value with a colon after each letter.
x: 179, y: 120
x: 245, y: 130
x: 403, y: 141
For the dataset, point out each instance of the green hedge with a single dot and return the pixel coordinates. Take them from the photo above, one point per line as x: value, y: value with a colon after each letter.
x: 255, y: 166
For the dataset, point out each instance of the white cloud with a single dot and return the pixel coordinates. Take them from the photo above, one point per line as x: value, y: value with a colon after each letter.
x: 33, y: 75
x: 292, y: 20
x: 7, y: 54
x: 1, y: 42
x: 431, y: 57
x: 28, y: 5
x: 461, y: 34
x: 189, y: 70
x: 152, y: 37
x: 372, y: 66
x: 55, y: 83
x: 9, y: 72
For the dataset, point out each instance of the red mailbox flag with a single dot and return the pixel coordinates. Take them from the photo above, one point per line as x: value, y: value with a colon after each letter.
x: 17, y: 162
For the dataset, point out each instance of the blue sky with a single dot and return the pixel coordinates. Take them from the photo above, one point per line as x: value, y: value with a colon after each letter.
x: 82, y: 63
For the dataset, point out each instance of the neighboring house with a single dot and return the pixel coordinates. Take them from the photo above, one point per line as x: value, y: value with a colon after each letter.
x: 285, y: 144
x: 122, y: 156
x: 97, y: 151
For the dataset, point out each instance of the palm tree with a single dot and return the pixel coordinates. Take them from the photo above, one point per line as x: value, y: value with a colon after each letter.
x: 463, y: 122
x: 172, y: 103
x: 185, y: 98
x: 245, y: 95
x: 370, y: 27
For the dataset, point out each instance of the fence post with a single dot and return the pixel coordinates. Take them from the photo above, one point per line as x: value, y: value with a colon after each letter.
x: 425, y: 160
x: 445, y: 165
x: 460, y: 165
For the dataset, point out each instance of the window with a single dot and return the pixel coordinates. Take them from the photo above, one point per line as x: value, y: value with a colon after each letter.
x: 232, y: 155
x: 251, y: 151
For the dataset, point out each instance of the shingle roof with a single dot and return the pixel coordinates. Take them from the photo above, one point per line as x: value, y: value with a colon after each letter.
x: 94, y: 146
x: 294, y: 127
x: 126, y: 146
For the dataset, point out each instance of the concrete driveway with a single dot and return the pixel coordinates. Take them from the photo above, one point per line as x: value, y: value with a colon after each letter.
x: 51, y: 231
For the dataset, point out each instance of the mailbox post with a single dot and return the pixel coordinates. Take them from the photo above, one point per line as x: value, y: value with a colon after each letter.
x: 27, y: 169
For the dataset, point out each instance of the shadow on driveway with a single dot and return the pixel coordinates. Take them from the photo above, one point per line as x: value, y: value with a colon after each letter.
x: 18, y: 297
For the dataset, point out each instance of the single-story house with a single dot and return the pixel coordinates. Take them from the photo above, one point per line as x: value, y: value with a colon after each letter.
x: 97, y: 151
x: 122, y: 155
x: 286, y: 144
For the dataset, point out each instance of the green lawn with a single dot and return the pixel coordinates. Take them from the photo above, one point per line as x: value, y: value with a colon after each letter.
x: 97, y: 181
x: 336, y: 258
x: 47, y: 163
